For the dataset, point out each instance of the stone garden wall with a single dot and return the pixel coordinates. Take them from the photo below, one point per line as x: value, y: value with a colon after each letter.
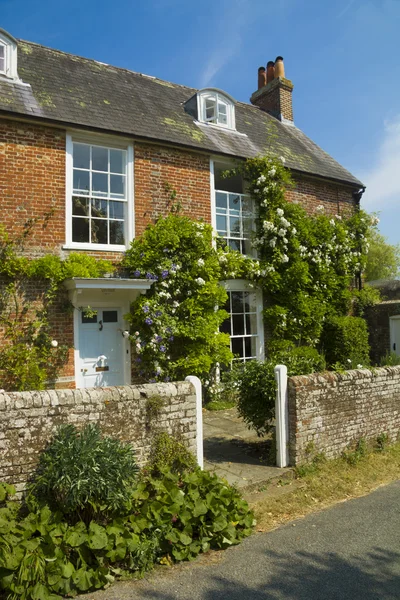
x: 131, y: 413
x: 330, y: 411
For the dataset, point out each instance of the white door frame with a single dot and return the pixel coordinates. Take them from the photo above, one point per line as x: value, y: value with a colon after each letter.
x: 126, y: 345
x: 392, y: 319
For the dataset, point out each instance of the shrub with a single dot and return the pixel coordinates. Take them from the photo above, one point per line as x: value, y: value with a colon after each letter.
x: 345, y: 341
x: 364, y: 299
x: 169, y: 454
x: 173, y: 517
x: 257, y: 386
x: 83, y: 474
x: 391, y: 359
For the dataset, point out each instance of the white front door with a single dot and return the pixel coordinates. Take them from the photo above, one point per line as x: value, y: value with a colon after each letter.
x: 395, y: 335
x: 101, y: 348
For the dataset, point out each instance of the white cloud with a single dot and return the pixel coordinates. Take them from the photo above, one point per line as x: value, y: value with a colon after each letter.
x: 383, y: 179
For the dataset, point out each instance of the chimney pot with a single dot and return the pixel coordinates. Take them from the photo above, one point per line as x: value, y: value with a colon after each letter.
x: 262, y: 77
x: 279, y: 67
x: 270, y: 71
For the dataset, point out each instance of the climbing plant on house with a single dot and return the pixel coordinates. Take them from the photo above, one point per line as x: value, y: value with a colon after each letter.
x: 30, y: 289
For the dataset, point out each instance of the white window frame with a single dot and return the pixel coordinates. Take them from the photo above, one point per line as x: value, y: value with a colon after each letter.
x: 253, y: 253
x: 10, y: 55
x: 241, y: 285
x: 129, y: 219
x: 217, y: 97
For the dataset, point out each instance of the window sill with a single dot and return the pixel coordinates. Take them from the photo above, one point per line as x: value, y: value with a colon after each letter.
x: 94, y: 247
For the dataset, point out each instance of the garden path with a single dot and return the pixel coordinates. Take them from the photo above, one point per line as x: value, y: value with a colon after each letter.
x: 235, y: 452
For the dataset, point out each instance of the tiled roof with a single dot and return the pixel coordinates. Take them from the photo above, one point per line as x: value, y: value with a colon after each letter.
x: 72, y: 90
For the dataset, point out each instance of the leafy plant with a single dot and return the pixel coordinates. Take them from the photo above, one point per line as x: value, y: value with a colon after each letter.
x: 84, y: 475
x: 169, y: 454
x: 391, y: 359
x: 257, y: 385
x: 353, y: 456
x: 345, y: 341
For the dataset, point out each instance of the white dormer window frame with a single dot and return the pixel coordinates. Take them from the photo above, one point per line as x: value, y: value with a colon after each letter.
x: 8, y: 56
x: 216, y: 108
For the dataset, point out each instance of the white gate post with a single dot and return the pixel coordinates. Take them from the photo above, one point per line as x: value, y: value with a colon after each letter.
x: 199, y: 419
x: 281, y: 417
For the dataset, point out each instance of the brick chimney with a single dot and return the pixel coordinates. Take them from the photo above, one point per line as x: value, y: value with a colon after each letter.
x: 274, y: 96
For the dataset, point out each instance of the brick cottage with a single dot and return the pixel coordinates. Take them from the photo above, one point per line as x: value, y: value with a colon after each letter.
x: 100, y: 147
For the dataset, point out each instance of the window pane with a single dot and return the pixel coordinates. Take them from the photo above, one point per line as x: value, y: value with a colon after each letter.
x: 234, y: 204
x: 250, y: 303
x: 238, y: 325
x: 221, y: 225
x: 235, y: 245
x: 80, y: 230
x: 226, y: 326
x: 2, y: 49
x: 237, y: 302
x: 80, y: 206
x: 100, y: 184
x: 247, y: 227
x: 99, y: 208
x: 2, y: 65
x: 110, y: 316
x: 251, y: 324
x: 117, y: 161
x: 222, y: 108
x: 81, y: 156
x: 117, y: 185
x: 117, y: 232
x: 221, y: 201
x: 229, y: 184
x: 81, y: 182
x: 99, y: 158
x: 237, y: 346
x: 246, y: 248
x: 250, y: 347
x: 234, y: 223
x: 87, y: 319
x: 117, y: 210
x: 99, y: 231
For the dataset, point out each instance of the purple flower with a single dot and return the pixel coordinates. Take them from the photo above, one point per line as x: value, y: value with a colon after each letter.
x: 138, y: 359
x: 136, y: 273
x: 146, y: 308
x: 158, y: 313
x: 164, y: 274
x: 152, y: 380
x: 159, y: 338
x: 149, y: 276
x: 167, y: 378
x: 168, y: 329
x: 162, y: 348
x: 148, y: 321
x: 171, y: 339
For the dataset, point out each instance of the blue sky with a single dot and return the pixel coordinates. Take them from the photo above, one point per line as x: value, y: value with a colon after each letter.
x: 343, y: 58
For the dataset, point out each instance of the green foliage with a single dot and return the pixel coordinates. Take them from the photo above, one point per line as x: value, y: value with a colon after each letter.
x: 382, y: 442
x: 353, y: 455
x: 345, y: 342
x: 154, y: 406
x: 391, y: 359
x: 173, y: 517
x: 365, y: 298
x: 175, y: 325
x: 84, y: 475
x: 257, y: 386
x: 169, y: 454
x: 30, y: 358
x: 383, y: 260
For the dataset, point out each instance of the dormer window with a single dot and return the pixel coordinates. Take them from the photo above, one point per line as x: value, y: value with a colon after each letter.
x: 8, y: 56
x: 2, y: 59
x: 216, y: 108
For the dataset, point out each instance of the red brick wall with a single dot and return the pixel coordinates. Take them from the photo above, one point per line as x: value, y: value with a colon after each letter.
x: 186, y: 172
x: 310, y: 193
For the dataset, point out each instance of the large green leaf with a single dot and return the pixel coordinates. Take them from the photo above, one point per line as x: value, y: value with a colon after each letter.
x: 97, y: 536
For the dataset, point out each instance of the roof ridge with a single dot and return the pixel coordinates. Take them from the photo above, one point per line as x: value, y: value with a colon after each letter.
x: 94, y: 60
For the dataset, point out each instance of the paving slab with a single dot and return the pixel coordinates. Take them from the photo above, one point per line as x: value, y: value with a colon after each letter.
x: 235, y: 452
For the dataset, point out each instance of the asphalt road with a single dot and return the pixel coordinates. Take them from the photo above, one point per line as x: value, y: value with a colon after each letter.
x: 351, y: 551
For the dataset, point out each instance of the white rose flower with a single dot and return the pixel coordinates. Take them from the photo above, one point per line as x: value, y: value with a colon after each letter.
x: 200, y: 281
x: 200, y: 262
x: 285, y: 258
x: 54, y: 343
x: 279, y: 212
